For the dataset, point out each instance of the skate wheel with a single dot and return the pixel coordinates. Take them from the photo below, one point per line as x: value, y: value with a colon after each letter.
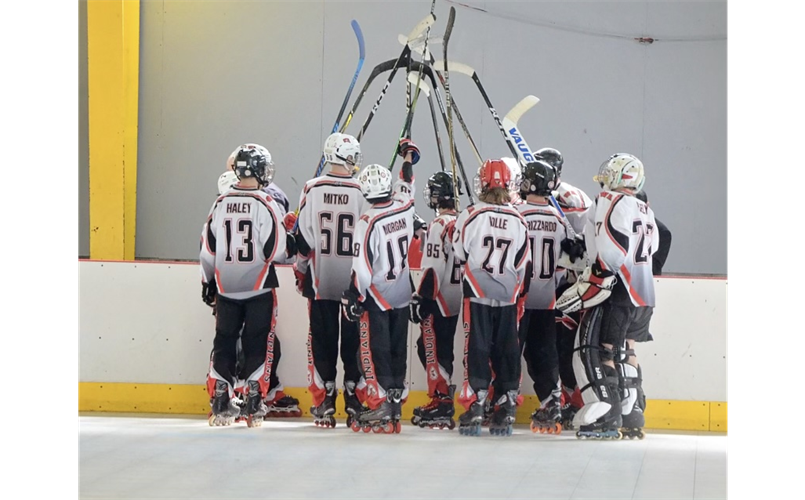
x: 398, y: 427
x: 367, y: 429
x: 376, y: 429
x: 533, y: 427
x: 414, y: 421
x: 354, y: 426
x: 558, y: 429
x: 451, y: 425
x: 509, y: 430
x: 211, y: 420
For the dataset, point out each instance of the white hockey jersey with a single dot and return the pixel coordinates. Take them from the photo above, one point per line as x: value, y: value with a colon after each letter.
x: 492, y: 240
x: 329, y: 209
x: 545, y: 233
x: 380, y: 270
x: 622, y: 239
x: 240, y: 241
x: 441, y: 271
x: 574, y: 203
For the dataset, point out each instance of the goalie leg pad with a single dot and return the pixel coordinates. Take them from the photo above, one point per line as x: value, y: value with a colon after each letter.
x: 598, y: 382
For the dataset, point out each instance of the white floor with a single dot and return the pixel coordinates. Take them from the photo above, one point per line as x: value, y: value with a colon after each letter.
x: 136, y: 456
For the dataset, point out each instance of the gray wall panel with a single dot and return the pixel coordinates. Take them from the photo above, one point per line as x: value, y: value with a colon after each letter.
x: 83, y: 134
x: 215, y: 74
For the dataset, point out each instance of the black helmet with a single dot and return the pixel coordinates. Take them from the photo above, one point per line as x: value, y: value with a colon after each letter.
x: 439, y: 193
x: 539, y: 178
x: 553, y: 157
x: 253, y: 160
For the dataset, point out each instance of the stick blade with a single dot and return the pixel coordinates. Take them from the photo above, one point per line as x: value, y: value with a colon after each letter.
x: 424, y: 87
x: 457, y: 67
x: 420, y: 28
x: 520, y: 109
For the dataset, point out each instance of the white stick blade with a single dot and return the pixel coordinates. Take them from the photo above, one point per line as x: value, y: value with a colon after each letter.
x: 412, y: 79
x: 521, y: 108
x: 455, y: 66
x: 421, y: 27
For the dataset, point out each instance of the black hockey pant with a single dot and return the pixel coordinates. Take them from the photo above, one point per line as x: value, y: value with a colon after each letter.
x: 382, y: 353
x: 325, y: 318
x: 435, y: 349
x: 538, y: 344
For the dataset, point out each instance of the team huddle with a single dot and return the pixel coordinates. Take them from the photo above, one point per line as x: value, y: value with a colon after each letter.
x: 533, y: 269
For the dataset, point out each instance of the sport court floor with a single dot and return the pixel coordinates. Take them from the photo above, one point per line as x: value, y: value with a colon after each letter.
x: 169, y: 457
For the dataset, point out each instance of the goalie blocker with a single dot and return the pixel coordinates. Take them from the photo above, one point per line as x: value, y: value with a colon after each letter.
x: 594, y: 287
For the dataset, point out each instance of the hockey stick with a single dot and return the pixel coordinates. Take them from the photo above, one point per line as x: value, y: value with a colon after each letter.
x: 508, y: 127
x: 362, y: 56
x: 409, y: 116
x: 447, y: 32
x: 431, y: 61
x: 428, y: 71
x: 404, y: 57
x: 424, y: 88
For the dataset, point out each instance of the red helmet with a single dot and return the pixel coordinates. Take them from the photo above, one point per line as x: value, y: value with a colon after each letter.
x: 493, y: 174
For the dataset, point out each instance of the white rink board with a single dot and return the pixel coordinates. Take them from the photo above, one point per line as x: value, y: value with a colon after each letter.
x: 145, y: 322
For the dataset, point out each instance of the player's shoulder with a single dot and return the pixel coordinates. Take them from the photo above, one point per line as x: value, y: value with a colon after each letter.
x: 572, y: 197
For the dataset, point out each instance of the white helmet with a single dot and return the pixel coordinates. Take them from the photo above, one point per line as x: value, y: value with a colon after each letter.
x: 226, y: 181
x: 375, y: 182
x: 343, y: 149
x: 621, y: 170
x: 253, y: 160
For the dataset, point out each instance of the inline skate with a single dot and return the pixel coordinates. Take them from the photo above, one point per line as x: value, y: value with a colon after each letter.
x: 324, y: 414
x: 385, y: 419
x: 352, y: 405
x: 469, y: 423
x: 548, y: 417
x: 503, y: 415
x: 223, y: 408
x: 438, y: 413
x: 283, y: 406
x: 255, y: 408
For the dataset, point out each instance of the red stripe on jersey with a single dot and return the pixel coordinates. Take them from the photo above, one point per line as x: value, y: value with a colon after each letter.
x: 628, y: 277
x: 261, y: 277
x: 473, y: 283
x: 376, y: 294
x: 218, y: 281
x: 440, y: 299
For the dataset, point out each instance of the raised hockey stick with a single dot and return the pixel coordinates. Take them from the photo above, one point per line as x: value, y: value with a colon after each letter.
x: 404, y: 58
x: 424, y: 88
x: 447, y: 32
x: 508, y: 128
x: 428, y: 71
x: 431, y: 61
x: 510, y: 125
x: 362, y: 56
x: 406, y: 129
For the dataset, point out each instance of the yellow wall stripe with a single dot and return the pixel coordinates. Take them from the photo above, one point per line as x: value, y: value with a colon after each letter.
x: 193, y: 400
x: 113, y: 53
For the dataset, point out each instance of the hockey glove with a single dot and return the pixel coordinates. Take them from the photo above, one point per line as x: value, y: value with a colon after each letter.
x: 420, y: 308
x: 574, y: 248
x: 350, y: 306
x: 408, y: 146
x: 209, y: 291
x: 593, y: 287
x: 289, y: 221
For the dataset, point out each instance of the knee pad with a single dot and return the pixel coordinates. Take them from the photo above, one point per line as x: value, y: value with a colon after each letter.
x: 598, y: 382
x: 632, y: 388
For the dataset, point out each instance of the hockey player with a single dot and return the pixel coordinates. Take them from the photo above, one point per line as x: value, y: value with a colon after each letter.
x: 618, y: 293
x: 492, y: 239
x: 329, y: 209
x: 436, y: 304
x: 240, y: 241
x: 537, y: 328
x: 380, y: 292
x: 576, y: 205
x: 279, y: 404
